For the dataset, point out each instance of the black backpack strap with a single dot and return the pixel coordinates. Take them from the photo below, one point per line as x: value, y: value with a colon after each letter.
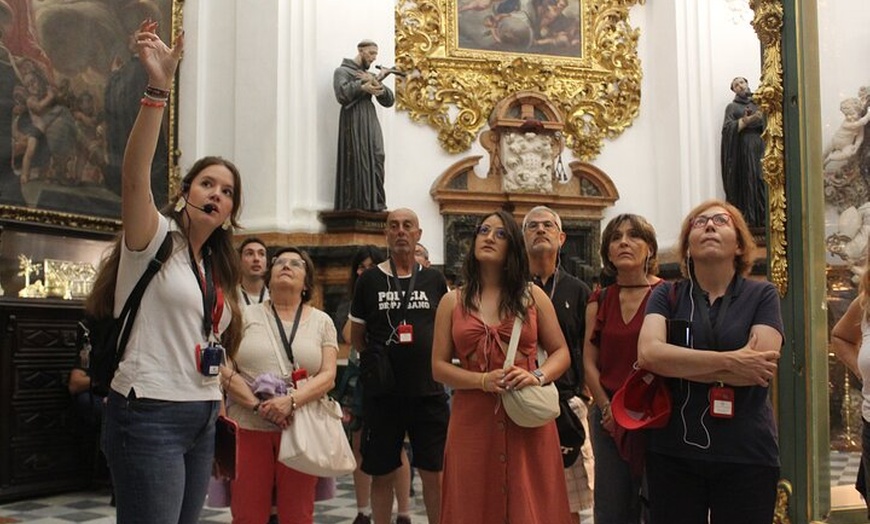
x: 131, y: 306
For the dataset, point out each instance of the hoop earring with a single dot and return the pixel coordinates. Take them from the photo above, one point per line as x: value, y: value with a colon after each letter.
x: 179, y: 204
x: 227, y: 224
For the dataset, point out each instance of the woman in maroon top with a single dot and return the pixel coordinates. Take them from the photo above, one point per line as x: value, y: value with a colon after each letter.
x: 614, y: 316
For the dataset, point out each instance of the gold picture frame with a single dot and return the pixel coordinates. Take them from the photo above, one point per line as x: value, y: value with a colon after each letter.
x: 768, y: 24
x: 454, y: 88
x: 72, y: 87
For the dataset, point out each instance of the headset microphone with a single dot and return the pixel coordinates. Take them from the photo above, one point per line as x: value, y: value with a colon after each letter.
x: 207, y: 209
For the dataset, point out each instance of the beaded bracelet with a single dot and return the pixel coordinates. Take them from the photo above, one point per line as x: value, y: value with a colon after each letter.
x: 156, y: 98
x: 292, y: 404
x: 156, y: 92
x: 148, y: 102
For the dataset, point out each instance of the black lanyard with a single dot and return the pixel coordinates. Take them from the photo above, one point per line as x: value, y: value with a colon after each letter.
x: 248, y: 301
x: 704, y: 309
x: 288, y: 344
x: 406, y: 296
x: 207, y: 288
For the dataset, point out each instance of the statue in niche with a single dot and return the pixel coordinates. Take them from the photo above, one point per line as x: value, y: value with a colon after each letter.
x: 359, y: 181
x: 527, y: 157
x: 846, y: 168
x: 742, y: 150
x: 849, y: 136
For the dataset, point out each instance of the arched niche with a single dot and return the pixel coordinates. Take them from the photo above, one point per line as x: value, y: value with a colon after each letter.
x: 463, y: 197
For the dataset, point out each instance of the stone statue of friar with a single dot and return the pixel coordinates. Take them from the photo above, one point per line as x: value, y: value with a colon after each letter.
x: 359, y: 181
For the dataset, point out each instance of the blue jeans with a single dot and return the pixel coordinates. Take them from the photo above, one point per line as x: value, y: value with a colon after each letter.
x: 617, y: 495
x: 160, y: 456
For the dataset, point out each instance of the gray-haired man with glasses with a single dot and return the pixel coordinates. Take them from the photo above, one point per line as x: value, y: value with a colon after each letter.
x: 542, y: 229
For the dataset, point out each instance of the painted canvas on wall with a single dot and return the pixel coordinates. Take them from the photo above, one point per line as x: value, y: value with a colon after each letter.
x: 70, y: 86
x: 547, y: 27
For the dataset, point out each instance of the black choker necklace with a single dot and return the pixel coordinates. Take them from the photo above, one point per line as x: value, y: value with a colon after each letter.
x: 629, y: 286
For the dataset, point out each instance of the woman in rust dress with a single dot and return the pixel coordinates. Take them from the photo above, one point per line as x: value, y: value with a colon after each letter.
x: 494, y: 470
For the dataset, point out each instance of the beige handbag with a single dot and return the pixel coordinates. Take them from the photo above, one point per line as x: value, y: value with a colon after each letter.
x: 531, y: 406
x: 315, y: 442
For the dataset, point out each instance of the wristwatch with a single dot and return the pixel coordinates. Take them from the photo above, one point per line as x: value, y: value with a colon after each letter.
x: 539, y: 375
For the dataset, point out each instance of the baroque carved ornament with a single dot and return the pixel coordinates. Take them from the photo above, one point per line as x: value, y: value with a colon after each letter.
x: 768, y: 23
x: 591, y: 71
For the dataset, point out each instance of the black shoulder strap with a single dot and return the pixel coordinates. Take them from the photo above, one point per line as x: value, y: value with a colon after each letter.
x: 131, y: 306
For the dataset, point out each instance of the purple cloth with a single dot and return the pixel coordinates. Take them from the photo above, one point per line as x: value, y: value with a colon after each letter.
x: 325, y: 488
x: 268, y: 385
x: 218, y: 493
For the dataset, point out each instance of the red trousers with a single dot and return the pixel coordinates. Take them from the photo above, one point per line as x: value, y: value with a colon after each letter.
x: 259, y: 474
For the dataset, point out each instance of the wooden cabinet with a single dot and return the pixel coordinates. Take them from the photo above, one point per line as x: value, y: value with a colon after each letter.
x: 39, y: 450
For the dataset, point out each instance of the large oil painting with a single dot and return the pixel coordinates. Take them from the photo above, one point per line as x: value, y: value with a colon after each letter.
x: 546, y: 27
x: 70, y: 85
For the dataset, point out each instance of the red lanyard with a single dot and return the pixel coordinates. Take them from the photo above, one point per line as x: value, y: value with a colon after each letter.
x: 212, y: 294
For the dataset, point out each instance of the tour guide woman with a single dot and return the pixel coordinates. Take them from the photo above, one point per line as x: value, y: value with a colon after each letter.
x: 158, y: 433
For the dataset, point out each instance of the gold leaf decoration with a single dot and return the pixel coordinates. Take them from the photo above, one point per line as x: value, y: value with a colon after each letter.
x: 768, y: 23
x: 454, y: 90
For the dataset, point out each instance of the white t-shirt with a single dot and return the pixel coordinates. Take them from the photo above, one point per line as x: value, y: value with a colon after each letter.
x: 262, y: 351
x: 253, y: 299
x: 160, y: 358
x: 864, y: 367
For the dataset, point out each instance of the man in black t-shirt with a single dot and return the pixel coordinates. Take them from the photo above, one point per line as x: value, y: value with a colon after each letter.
x: 393, y: 313
x: 542, y: 229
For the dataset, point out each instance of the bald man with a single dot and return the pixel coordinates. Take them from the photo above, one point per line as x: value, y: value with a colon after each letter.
x: 393, y: 318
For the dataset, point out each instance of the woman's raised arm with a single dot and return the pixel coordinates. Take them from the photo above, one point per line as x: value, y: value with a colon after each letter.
x: 138, y: 211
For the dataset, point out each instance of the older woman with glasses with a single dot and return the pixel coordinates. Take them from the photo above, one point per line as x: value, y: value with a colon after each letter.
x: 495, y: 470
x: 717, y: 336
x: 282, y: 336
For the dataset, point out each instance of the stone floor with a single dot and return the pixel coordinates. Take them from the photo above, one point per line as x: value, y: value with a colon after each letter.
x: 93, y: 506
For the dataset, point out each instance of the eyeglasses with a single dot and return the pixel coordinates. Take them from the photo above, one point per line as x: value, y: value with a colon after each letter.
x: 719, y: 219
x: 296, y: 263
x: 485, y: 229
x: 548, y: 225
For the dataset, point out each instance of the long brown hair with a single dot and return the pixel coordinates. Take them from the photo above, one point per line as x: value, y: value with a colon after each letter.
x: 101, y: 301
x: 514, y: 285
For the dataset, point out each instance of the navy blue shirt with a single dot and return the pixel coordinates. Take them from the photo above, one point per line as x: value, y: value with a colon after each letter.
x: 748, y: 438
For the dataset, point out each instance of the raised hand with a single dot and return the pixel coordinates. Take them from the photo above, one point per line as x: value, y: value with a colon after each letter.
x: 159, y: 60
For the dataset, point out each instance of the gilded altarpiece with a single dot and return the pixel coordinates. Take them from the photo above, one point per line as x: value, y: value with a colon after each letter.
x: 463, y: 56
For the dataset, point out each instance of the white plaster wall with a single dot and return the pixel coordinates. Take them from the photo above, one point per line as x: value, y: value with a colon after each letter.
x: 257, y: 87
x: 844, y: 45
